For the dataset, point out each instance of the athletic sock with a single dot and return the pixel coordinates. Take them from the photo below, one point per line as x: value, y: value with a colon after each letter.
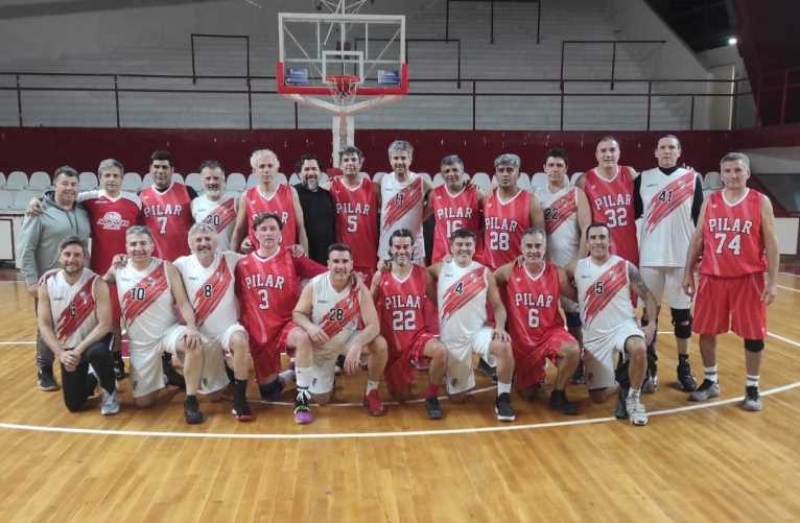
x: 503, y: 388
x: 752, y: 381
x: 303, y: 377
x: 710, y: 373
x: 372, y: 385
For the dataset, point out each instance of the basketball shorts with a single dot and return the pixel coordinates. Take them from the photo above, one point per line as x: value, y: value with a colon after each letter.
x: 529, y: 362
x: 724, y: 304
x: 216, y: 350
x: 323, y: 364
x: 598, y: 356
x: 267, y: 356
x: 666, y: 282
x: 400, y: 373
x: 460, y: 376
x: 147, y: 373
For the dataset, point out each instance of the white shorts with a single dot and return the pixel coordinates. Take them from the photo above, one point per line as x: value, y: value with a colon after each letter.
x: 323, y: 365
x: 669, y: 280
x: 213, y: 376
x: 598, y: 357
x: 460, y: 377
x: 147, y: 374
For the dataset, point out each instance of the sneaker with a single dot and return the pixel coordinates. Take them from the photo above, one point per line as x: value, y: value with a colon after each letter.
x: 707, y: 390
x: 47, y: 382
x: 271, y: 391
x: 109, y: 404
x: 487, y: 370
x: 302, y: 412
x: 191, y: 411
x: 636, y: 412
x: 686, y: 380
x: 560, y: 403
x: 119, y: 365
x: 621, y: 410
x: 241, y: 411
x: 752, y: 400
x: 339, y: 368
x: 579, y: 377
x: 650, y: 384
x: 172, y: 376
x: 433, y: 408
x: 373, y: 403
x: 503, y: 408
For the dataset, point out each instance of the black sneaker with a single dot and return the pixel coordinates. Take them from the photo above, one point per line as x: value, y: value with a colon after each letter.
x: 241, y: 410
x: 433, y: 408
x: 503, y: 408
x: 339, y: 367
x: 560, y: 403
x: 752, y: 400
x: 119, y: 365
x: 271, y: 391
x: 487, y: 370
x: 621, y: 410
x: 191, y: 411
x: 686, y: 380
x: 172, y: 376
x: 47, y: 382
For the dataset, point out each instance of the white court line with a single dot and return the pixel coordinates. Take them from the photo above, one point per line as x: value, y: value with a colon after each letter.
x: 789, y: 274
x: 788, y: 288
x: 13, y: 281
x: 17, y: 343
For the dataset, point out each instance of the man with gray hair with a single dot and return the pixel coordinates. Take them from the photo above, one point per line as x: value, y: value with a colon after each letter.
x: 214, y: 206
x: 402, y: 196
x: 507, y: 213
x: 39, y: 249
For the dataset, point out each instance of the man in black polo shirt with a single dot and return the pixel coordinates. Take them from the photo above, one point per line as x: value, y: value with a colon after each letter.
x: 318, y: 208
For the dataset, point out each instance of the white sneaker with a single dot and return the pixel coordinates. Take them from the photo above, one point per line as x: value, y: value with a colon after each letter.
x: 636, y: 412
x: 109, y: 404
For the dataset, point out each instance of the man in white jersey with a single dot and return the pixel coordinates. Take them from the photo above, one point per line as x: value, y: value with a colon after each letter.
x: 74, y: 317
x: 668, y: 198
x: 150, y: 290
x: 214, y: 206
x: 208, y: 276
x: 402, y: 202
x: 464, y: 289
x: 329, y: 311
x: 566, y: 216
x: 604, y: 282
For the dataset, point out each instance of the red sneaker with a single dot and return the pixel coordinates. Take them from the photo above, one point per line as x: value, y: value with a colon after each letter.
x: 373, y: 403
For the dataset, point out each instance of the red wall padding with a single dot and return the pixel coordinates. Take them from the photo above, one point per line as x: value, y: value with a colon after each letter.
x: 47, y: 148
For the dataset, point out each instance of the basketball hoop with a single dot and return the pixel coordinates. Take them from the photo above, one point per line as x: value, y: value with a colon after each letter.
x: 343, y: 88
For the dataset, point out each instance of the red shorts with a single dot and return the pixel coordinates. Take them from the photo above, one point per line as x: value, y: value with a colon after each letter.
x: 267, y: 356
x: 400, y: 373
x: 529, y: 361
x: 724, y: 304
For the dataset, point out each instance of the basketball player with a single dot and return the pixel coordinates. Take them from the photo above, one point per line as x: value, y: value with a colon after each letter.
x: 208, y: 276
x: 268, y: 196
x: 268, y: 286
x: 668, y: 198
x: 167, y: 209
x: 736, y: 239
x: 356, y: 204
x: 604, y: 282
x: 401, y: 295
x: 455, y: 205
x: 74, y: 317
x: 533, y: 289
x: 464, y: 289
x: 609, y: 190
x: 507, y: 212
x: 402, y: 196
x: 566, y: 216
x: 150, y: 291
x: 214, y: 206
x: 329, y: 312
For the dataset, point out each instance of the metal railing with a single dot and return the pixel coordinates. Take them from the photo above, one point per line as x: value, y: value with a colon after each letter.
x: 471, y: 90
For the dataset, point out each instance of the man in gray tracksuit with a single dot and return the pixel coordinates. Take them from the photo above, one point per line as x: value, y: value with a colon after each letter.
x: 41, y: 235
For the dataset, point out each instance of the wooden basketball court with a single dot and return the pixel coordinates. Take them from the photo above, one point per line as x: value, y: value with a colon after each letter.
x: 691, y: 463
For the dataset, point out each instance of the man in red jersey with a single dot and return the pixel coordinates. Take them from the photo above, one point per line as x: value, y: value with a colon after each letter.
x: 736, y: 239
x: 269, y: 196
x: 356, y: 205
x: 214, y: 206
x: 609, y: 188
x: 401, y: 294
x: 507, y: 212
x: 533, y: 289
x: 268, y: 287
x: 454, y: 205
x: 167, y: 209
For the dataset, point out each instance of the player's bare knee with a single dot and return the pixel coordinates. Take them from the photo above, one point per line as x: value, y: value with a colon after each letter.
x: 436, y: 351
x: 635, y: 347
x: 501, y: 349
x: 570, y: 351
x: 378, y: 346
x: 682, y: 323
x: 239, y: 342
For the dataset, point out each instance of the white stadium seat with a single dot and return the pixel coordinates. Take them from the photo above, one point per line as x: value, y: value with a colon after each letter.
x: 2, y: 180
x: 438, y: 180
x: 524, y: 182
x: 483, y: 182
x: 132, y: 182
x: 22, y: 198
x: 147, y: 181
x: 538, y: 180
x: 377, y: 177
x: 194, y: 181
x: 39, y: 181
x: 236, y: 182
x: 712, y: 180
x: 281, y: 178
x: 17, y: 181
x: 253, y: 180
x: 294, y: 179
x: 177, y: 177
x: 6, y: 199
x: 87, y: 181
x: 575, y: 177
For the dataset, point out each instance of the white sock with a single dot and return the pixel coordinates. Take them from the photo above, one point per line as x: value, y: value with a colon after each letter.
x: 303, y: 376
x: 634, y: 393
x: 710, y: 373
x: 752, y: 381
x: 503, y: 388
x: 372, y: 385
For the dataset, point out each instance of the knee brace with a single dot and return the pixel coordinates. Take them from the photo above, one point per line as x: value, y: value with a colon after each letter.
x: 682, y: 321
x: 753, y: 345
x: 573, y: 319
